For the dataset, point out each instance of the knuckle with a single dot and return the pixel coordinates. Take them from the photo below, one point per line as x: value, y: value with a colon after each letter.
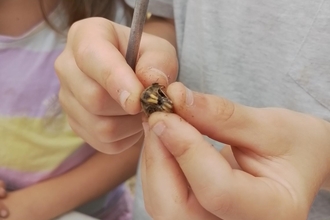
x: 223, y: 110
x: 72, y: 32
x: 184, y: 155
x: 65, y: 66
x: 86, y: 25
x: 83, y: 54
x: 79, y: 36
x: 74, y: 27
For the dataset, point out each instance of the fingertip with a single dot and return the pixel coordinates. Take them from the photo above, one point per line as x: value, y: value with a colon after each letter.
x: 160, y: 119
x: 123, y: 97
x: 152, y: 75
x: 159, y: 128
x: 176, y: 89
x: 181, y: 96
x: 157, y: 62
x: 155, y: 118
x: 131, y: 104
x: 163, y: 178
x: 173, y: 131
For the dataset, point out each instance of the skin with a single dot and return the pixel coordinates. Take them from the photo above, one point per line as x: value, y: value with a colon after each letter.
x: 19, y: 16
x: 273, y: 154
x: 183, y: 176
x: 103, y: 106
x: 4, y: 212
x: 56, y: 196
x: 91, y: 179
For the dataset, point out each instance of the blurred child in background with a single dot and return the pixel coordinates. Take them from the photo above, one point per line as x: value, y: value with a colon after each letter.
x: 46, y: 169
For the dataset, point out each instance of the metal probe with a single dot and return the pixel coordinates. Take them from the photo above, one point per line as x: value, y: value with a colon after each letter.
x: 139, y: 17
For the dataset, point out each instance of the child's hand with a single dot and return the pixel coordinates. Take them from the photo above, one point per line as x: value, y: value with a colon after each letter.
x: 284, y: 157
x: 99, y: 91
x: 4, y: 212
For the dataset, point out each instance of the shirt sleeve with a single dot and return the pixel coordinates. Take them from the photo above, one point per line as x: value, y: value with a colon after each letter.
x: 161, y: 8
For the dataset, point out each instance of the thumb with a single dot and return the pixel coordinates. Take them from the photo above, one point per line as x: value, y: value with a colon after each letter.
x: 219, y: 189
x: 262, y: 138
x: 157, y: 61
x: 98, y: 47
x: 265, y: 131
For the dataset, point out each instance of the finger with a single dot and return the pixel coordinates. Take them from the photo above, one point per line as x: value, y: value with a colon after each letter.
x: 263, y: 137
x: 107, y: 148
x: 167, y: 192
x: 226, y: 120
x: 91, y: 95
x: 162, y: 186
x: 144, y: 180
x: 157, y: 63
x: 103, y: 128
x: 225, y: 192
x: 103, y: 60
x: 94, y: 45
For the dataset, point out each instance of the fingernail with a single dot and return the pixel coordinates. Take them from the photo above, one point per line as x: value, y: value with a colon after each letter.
x: 146, y: 128
x: 159, y: 128
x: 3, y: 213
x: 189, y: 97
x: 123, y: 96
x: 160, y: 73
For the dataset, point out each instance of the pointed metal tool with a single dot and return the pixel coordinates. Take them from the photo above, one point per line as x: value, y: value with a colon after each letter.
x: 139, y: 17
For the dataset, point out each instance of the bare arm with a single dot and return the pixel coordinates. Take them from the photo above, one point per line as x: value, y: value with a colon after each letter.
x: 51, y: 198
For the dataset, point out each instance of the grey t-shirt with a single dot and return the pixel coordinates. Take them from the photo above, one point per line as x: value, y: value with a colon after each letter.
x: 258, y: 53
